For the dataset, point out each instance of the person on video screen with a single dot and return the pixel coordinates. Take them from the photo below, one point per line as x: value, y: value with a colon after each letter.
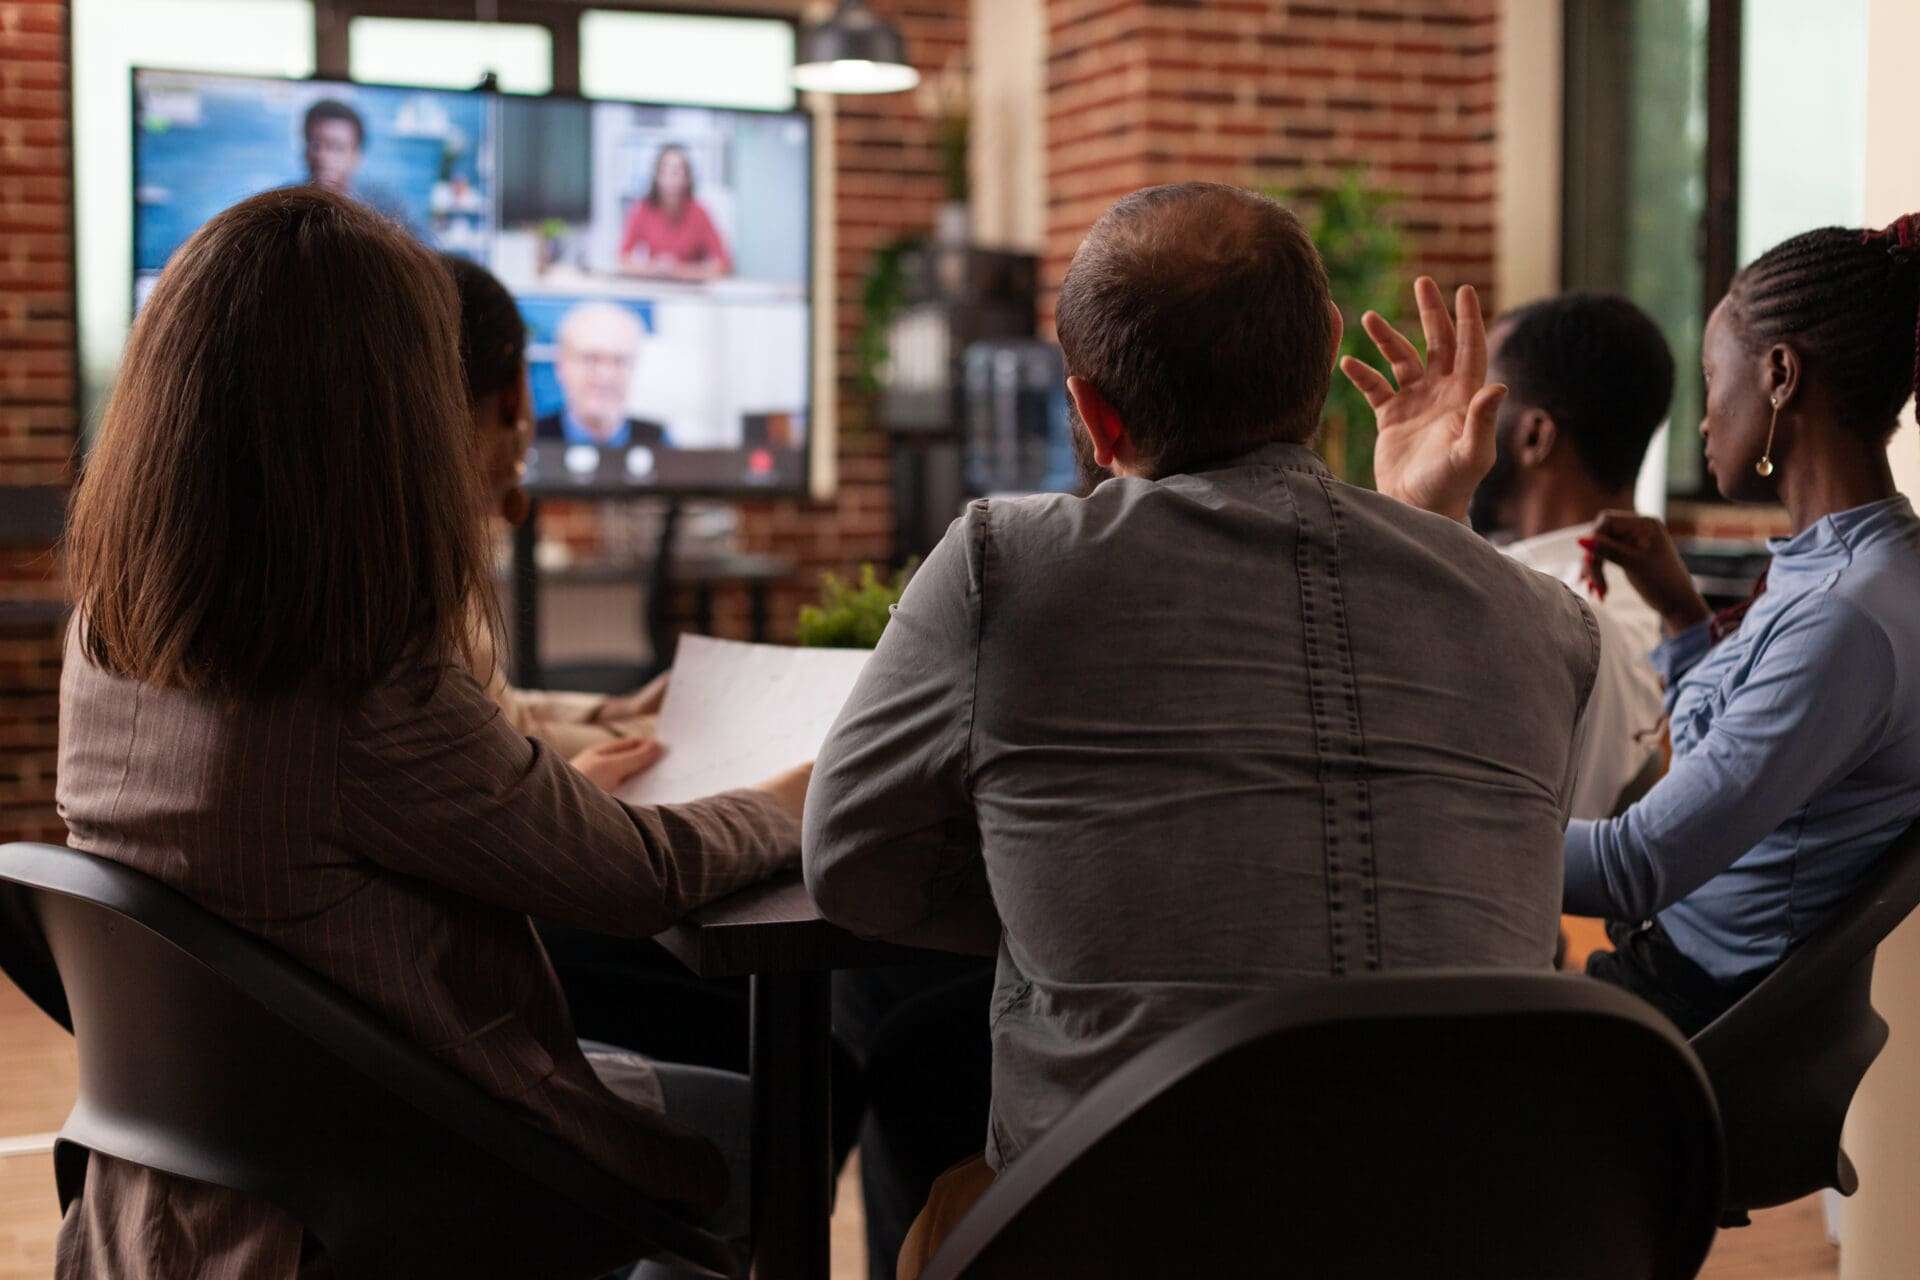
x: 669, y: 234
x: 599, y: 347
x: 336, y: 140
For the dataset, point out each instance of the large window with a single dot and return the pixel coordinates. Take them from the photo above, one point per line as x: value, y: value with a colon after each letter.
x: 450, y: 55
x: 1700, y: 133
x: 110, y: 37
x: 663, y: 57
x: 1636, y: 185
x: 1803, y: 119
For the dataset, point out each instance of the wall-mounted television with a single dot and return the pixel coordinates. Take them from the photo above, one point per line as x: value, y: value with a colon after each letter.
x: 661, y: 255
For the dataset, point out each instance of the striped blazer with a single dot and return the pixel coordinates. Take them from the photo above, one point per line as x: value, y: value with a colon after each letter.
x: 396, y: 846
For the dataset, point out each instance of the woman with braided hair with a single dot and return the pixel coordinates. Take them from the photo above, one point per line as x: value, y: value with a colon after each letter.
x: 1796, y: 727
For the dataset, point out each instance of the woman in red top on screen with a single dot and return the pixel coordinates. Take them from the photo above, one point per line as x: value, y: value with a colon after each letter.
x: 669, y: 234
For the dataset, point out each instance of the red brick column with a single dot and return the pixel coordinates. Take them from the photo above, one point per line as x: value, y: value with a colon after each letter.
x: 1273, y: 94
x: 37, y: 380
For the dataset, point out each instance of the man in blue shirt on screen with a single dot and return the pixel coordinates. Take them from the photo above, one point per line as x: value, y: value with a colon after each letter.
x: 598, y: 349
x: 336, y: 139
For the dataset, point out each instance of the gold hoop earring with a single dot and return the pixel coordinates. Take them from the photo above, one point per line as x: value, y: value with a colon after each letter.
x: 1765, y: 465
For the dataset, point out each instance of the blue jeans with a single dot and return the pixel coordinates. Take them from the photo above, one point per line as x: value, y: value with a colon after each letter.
x: 716, y: 1104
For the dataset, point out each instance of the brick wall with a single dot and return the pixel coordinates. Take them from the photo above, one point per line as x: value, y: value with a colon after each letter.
x: 36, y: 394
x: 1273, y: 94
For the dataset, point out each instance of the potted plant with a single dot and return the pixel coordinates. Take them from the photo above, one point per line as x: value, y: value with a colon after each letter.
x: 852, y: 616
x: 1364, y: 253
x: 944, y: 99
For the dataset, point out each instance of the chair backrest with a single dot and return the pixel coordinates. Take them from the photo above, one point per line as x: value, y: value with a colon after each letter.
x: 1483, y: 1124
x: 25, y: 959
x: 209, y: 1055
x: 1786, y: 1059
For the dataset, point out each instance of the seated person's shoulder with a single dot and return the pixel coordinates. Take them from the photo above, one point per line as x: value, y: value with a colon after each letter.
x: 1434, y: 555
x: 1048, y: 532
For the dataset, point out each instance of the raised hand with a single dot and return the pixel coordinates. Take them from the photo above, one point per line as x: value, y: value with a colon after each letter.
x: 1435, y: 440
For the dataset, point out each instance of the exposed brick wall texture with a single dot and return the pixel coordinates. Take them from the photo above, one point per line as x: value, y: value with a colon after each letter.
x: 36, y: 390
x: 1283, y: 95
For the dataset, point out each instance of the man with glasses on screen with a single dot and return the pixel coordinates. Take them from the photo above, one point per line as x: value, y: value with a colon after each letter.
x: 598, y: 349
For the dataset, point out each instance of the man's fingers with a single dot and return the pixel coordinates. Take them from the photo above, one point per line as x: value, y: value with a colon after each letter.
x: 1401, y: 357
x: 1470, y: 352
x: 1476, y: 436
x: 1436, y: 324
x: 1369, y: 381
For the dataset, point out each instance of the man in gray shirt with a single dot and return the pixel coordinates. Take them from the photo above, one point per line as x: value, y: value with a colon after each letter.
x: 1224, y: 722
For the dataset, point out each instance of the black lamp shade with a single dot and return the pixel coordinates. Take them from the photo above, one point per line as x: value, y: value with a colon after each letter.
x: 854, y: 52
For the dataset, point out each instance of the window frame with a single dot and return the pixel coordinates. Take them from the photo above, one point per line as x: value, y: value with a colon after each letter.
x: 561, y: 18
x: 1594, y: 191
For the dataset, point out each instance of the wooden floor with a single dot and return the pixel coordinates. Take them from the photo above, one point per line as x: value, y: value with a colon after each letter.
x: 36, y: 1087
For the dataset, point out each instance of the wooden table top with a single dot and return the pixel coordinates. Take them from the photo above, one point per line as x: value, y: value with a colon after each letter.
x: 775, y: 928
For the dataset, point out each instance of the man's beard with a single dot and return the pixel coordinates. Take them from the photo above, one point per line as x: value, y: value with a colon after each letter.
x: 1091, y: 472
x: 1483, y: 509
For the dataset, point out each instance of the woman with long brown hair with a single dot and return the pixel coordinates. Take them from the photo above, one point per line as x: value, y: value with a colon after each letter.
x: 269, y: 704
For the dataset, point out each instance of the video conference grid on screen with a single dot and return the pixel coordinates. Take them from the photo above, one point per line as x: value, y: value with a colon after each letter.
x: 659, y: 254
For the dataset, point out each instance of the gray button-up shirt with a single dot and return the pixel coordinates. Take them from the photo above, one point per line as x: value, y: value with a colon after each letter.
x: 1183, y: 740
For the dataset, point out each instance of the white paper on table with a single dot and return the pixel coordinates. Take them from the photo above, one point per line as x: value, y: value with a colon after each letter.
x: 736, y: 714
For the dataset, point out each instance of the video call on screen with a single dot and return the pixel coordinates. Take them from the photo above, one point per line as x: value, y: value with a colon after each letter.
x: 658, y: 253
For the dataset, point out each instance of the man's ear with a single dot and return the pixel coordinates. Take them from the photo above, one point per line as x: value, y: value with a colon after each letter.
x: 1534, y: 437
x: 1112, y: 449
x: 1339, y: 329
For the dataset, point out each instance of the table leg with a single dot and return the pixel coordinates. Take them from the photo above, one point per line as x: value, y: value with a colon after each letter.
x: 526, y: 600
x: 758, y: 596
x: 792, y: 1159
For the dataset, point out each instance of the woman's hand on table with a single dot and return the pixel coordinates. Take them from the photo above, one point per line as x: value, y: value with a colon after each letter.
x: 608, y: 764
x: 789, y: 789
x: 1644, y: 550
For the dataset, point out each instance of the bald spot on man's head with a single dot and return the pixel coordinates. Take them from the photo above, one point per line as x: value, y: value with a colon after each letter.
x: 1201, y: 313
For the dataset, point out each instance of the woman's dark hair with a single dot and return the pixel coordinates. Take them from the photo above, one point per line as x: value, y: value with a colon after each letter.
x: 493, y: 336
x: 653, y: 187
x: 283, y: 494
x: 1848, y: 302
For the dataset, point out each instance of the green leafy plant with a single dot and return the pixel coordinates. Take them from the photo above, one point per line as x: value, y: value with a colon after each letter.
x: 882, y: 294
x: 953, y: 136
x: 1365, y: 257
x: 852, y: 616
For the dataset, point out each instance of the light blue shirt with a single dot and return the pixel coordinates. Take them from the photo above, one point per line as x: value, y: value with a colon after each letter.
x: 576, y: 432
x: 1796, y: 754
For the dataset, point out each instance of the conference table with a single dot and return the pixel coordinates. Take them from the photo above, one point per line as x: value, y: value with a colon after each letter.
x: 773, y: 935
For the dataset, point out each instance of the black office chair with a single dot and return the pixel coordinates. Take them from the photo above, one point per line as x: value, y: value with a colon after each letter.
x: 1786, y: 1059
x: 1452, y: 1124
x: 24, y: 958
x: 209, y: 1055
